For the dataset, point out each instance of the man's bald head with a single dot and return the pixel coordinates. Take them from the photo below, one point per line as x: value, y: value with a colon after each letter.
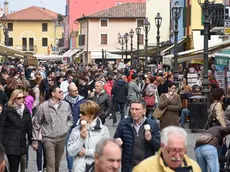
x: 73, y: 90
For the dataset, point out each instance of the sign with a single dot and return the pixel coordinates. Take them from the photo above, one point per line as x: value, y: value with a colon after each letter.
x: 227, y: 19
x: 222, y: 61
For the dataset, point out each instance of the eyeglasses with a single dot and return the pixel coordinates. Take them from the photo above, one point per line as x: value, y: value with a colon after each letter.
x: 19, y: 98
x: 50, y: 80
x: 173, y: 151
x: 82, y: 113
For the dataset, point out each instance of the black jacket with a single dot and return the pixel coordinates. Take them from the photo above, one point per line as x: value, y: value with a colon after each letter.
x: 3, y: 98
x: 13, y: 130
x: 120, y: 91
x: 103, y: 100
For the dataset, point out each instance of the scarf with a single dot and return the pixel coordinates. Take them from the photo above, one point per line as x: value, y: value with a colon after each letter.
x: 19, y: 109
x: 71, y: 99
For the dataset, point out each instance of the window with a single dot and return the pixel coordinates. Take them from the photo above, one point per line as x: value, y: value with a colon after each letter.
x: 44, y: 27
x: 81, y: 40
x: 104, y: 39
x: 104, y: 22
x: 10, y: 26
x: 141, y: 39
x: 44, y: 42
x: 11, y: 42
x: 140, y: 23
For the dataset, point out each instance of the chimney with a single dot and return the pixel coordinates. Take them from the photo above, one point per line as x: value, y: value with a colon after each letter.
x: 6, y: 7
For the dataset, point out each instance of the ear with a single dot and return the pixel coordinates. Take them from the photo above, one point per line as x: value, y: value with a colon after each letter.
x: 96, y: 158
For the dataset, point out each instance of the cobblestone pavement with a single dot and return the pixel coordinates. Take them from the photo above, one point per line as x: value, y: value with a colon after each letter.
x: 32, y: 160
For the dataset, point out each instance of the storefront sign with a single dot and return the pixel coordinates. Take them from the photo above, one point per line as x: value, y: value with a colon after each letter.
x: 227, y: 20
x: 223, y: 61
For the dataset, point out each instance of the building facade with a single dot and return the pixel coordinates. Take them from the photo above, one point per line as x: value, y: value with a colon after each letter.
x: 33, y: 30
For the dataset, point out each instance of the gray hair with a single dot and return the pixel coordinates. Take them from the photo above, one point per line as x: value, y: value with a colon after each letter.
x: 102, y: 143
x: 175, y: 131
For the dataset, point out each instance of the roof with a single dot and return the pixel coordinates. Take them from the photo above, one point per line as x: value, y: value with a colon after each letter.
x: 33, y: 13
x: 125, y: 10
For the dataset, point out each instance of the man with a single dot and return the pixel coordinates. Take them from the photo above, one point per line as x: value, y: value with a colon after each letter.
x: 172, y: 155
x: 64, y: 85
x: 134, y: 91
x: 75, y: 100
x: 138, y: 141
x: 120, y: 92
x: 2, y: 160
x: 103, y: 100
x: 53, y: 118
x: 107, y: 157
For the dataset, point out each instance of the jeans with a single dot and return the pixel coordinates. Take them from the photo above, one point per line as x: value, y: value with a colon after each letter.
x: 68, y: 157
x: 184, y: 113
x: 207, y: 158
x: 40, y: 151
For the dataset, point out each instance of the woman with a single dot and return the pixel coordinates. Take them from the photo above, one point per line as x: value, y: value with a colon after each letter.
x: 84, y: 137
x: 15, y: 123
x: 206, y: 149
x: 172, y: 103
x: 11, y: 85
x: 216, y: 108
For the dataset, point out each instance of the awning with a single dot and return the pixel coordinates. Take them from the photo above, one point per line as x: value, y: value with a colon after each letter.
x: 182, y: 41
x: 186, y: 56
x: 71, y: 52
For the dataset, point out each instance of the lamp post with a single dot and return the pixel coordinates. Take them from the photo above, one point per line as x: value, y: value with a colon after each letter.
x: 121, y: 42
x: 5, y: 29
x: 138, y: 32
x: 176, y: 13
x: 158, y: 21
x: 205, y: 5
x: 126, y: 38
x: 131, y: 34
x: 146, y: 28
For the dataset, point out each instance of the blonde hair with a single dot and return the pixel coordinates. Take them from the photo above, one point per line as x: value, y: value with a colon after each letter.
x: 90, y: 108
x: 13, y: 97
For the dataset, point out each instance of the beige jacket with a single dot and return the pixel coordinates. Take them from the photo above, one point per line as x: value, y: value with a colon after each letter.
x: 219, y: 112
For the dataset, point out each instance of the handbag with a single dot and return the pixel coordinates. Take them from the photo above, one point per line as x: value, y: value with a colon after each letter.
x: 158, y: 112
x: 204, y: 138
x: 149, y: 100
x: 212, y: 121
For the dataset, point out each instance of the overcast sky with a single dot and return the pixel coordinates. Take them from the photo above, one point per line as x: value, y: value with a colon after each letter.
x: 55, y: 5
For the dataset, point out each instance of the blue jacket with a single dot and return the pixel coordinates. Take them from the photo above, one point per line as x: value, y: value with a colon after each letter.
x: 125, y: 132
x: 75, y: 107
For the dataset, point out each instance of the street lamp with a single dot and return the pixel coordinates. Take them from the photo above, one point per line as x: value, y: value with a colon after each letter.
x: 206, y: 5
x: 131, y: 34
x: 138, y: 32
x: 126, y: 38
x: 146, y: 28
x: 158, y: 21
x: 121, y: 42
x: 176, y: 13
x: 5, y: 29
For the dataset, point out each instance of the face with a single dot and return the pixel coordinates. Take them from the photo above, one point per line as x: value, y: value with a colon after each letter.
x: 70, y: 79
x: 173, y: 153
x: 52, y: 75
x: 110, y: 160
x: 73, y: 91
x: 85, y: 116
x: 19, y: 99
x: 147, y: 81
x: 58, y: 94
x: 51, y: 81
x: 137, y: 111
x: 98, y: 87
x: 172, y: 89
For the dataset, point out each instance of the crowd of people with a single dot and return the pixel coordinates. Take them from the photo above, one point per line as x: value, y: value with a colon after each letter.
x: 56, y: 107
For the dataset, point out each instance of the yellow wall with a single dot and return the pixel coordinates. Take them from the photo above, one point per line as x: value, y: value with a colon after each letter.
x: 33, y: 29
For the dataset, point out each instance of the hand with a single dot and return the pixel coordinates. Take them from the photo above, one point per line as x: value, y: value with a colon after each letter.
x: 83, y: 133
x: 148, y: 135
x: 35, y: 146
x: 82, y: 152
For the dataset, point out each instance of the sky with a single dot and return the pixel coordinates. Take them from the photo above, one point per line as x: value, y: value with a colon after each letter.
x: 54, y: 5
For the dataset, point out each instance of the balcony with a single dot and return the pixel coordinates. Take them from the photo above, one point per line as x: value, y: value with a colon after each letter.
x: 31, y: 48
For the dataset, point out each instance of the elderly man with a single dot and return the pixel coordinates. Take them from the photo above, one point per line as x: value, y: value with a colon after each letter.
x: 53, y: 118
x: 107, y: 157
x: 172, y: 155
x: 140, y: 136
x: 2, y: 161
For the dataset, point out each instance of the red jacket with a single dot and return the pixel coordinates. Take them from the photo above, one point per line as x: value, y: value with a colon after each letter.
x: 108, y: 87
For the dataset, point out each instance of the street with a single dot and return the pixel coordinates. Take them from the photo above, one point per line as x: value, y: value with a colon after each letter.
x: 32, y: 155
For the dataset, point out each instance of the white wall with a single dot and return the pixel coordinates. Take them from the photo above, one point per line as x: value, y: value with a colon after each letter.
x: 152, y: 8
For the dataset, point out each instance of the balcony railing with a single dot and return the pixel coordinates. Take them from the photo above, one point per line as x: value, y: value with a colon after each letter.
x: 31, y: 48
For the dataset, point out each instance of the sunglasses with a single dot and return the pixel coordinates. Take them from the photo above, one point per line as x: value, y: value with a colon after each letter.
x: 50, y: 80
x: 19, y: 98
x: 82, y: 113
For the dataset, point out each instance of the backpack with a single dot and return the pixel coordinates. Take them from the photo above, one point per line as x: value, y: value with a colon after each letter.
x: 212, y: 120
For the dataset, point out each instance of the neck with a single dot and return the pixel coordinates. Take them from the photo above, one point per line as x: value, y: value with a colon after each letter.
x: 90, y: 121
x: 138, y: 121
x: 54, y: 100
